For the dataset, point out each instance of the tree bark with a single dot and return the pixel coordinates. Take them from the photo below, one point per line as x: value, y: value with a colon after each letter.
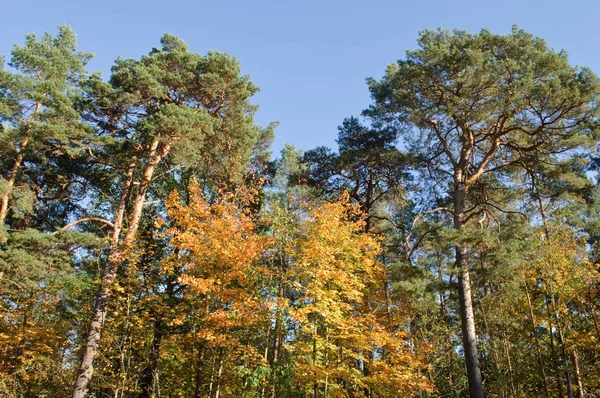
x: 509, y: 362
x: 95, y: 330
x: 155, y: 155
x: 561, y: 342
x: 198, y: 372
x: 555, y: 364
x: 148, y: 376
x: 467, y: 315
x: 575, y: 360
x: 536, y: 342
x: 219, y: 373
x: 116, y: 256
x: 10, y: 184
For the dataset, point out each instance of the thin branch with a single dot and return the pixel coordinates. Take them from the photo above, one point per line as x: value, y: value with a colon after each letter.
x: 98, y: 160
x: 506, y: 211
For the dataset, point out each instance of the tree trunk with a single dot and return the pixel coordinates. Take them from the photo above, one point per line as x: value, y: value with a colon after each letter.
x: 467, y: 315
x: 212, y: 375
x: 561, y: 342
x: 536, y: 342
x: 198, y: 372
x: 555, y: 364
x: 278, y: 329
x: 125, y: 350
x: 149, y: 374
x: 115, y: 258
x: 314, y: 358
x: 263, y: 387
x: 95, y: 330
x: 155, y: 155
x: 219, y: 373
x: 86, y: 369
x: 509, y: 362
x: 279, y: 324
x: 592, y: 313
x: 575, y: 360
x: 12, y: 177
x: 11, y: 181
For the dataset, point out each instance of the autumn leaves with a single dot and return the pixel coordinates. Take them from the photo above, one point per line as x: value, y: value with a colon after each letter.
x: 328, y: 312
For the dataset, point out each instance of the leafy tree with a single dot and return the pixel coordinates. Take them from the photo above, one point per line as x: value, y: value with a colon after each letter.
x: 338, y: 333
x: 220, y: 246
x: 348, y: 272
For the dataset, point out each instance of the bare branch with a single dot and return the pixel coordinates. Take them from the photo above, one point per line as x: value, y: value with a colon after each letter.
x: 481, y: 168
x: 178, y: 167
x: 82, y: 220
x: 443, y: 141
x: 421, y: 216
x: 416, y: 246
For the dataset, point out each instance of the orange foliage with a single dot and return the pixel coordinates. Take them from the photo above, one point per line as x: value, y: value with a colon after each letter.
x: 220, y: 247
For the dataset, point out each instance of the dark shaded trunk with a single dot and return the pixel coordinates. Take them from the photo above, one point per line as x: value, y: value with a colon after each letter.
x: 555, y: 364
x: 198, y: 372
x: 150, y: 372
x: 536, y: 343
x: 561, y: 342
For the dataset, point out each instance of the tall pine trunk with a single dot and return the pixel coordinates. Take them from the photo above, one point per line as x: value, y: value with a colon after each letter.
x: 467, y: 315
x: 117, y: 255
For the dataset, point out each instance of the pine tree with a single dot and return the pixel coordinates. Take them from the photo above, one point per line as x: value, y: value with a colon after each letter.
x: 475, y: 107
x: 38, y: 113
x: 169, y: 110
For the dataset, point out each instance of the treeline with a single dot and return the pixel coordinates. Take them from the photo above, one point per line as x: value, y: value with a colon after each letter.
x: 149, y: 247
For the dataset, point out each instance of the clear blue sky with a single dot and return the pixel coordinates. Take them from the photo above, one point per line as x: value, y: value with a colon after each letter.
x: 310, y: 58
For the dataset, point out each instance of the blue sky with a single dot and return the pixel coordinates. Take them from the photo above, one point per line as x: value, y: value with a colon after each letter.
x: 310, y: 58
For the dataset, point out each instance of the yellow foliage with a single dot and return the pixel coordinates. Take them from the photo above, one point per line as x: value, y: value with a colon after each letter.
x: 344, y: 342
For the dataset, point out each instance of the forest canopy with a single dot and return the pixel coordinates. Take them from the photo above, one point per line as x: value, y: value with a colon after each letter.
x: 152, y: 246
